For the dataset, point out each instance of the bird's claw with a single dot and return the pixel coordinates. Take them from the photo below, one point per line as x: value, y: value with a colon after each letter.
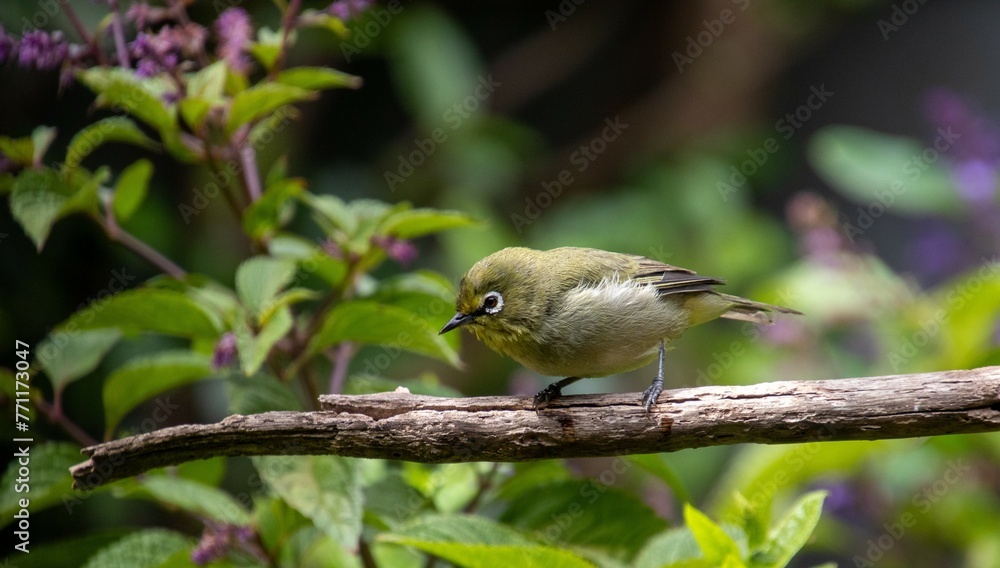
x: 546, y: 395
x: 650, y: 395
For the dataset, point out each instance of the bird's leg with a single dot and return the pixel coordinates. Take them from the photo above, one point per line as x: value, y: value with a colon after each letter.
x: 552, y: 391
x: 650, y: 395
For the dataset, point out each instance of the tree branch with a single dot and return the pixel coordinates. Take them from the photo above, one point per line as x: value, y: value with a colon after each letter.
x: 402, y: 426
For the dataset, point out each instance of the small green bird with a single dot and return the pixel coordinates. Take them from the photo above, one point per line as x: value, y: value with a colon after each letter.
x: 584, y: 313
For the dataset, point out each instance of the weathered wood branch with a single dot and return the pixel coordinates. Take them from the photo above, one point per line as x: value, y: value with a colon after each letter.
x: 429, y: 429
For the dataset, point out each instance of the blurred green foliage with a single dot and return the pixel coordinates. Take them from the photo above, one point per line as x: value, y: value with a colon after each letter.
x: 309, y: 293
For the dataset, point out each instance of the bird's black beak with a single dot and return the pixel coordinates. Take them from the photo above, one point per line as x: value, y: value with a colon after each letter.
x: 459, y: 320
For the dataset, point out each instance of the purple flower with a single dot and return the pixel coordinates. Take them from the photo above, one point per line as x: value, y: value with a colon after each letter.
x: 225, y: 351
x: 149, y: 51
x: 163, y: 51
x: 142, y: 14
x: 348, y: 9
x: 42, y: 50
x: 235, y: 32
x: 977, y: 136
x: 937, y: 252
x: 217, y: 540
x: 402, y: 251
x: 211, y: 547
x: 6, y: 45
x: 976, y: 180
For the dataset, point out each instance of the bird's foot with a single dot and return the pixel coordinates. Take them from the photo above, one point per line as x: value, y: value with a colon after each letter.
x: 650, y: 395
x: 546, y: 395
x: 552, y: 392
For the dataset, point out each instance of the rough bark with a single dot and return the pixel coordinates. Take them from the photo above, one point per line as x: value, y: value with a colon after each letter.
x: 404, y: 426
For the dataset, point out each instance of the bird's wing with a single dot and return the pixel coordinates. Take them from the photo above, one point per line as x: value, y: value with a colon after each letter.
x: 668, y: 279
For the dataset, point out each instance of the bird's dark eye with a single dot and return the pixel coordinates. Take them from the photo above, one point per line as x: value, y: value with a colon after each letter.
x: 493, y: 302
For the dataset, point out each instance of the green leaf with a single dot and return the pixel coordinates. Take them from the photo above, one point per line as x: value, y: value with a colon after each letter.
x: 792, y: 532
x: 266, y: 215
x: 197, y: 498
x: 50, y: 481
x: 41, y: 138
x: 268, y: 46
x: 174, y: 144
x: 208, y: 83
x: 36, y: 202
x: 193, y: 110
x: 130, y: 191
x: 883, y: 172
x: 715, y: 544
x: 753, y: 520
x: 259, y: 279
x: 334, y: 211
x: 586, y: 513
x: 670, y: 548
x: 21, y: 151
x: 66, y: 357
x: 265, y: 53
x: 147, y: 548
x: 426, y: 294
x: 111, y: 129
x: 321, y: 19
x: 253, y: 349
x: 325, y: 489
x: 259, y: 393
x: 86, y: 195
x: 261, y: 100
x: 146, y: 309
x: 310, y: 258
x: 757, y: 470
x: 318, y: 78
x: 275, y: 521
x: 419, y: 222
x: 122, y: 90
x: 370, y: 322
x: 476, y: 542
x: 219, y: 302
x: 657, y: 465
x: 287, y: 298
x: 145, y: 377
x: 205, y: 89
x: 70, y: 550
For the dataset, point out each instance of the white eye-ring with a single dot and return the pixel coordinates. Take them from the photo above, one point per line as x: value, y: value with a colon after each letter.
x: 493, y: 302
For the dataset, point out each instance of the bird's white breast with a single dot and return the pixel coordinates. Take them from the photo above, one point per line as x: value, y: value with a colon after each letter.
x: 606, y: 328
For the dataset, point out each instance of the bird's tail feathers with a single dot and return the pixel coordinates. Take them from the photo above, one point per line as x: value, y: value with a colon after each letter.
x: 751, y: 311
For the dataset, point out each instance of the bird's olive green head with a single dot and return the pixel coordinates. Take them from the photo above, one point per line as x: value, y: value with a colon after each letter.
x: 500, y: 299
